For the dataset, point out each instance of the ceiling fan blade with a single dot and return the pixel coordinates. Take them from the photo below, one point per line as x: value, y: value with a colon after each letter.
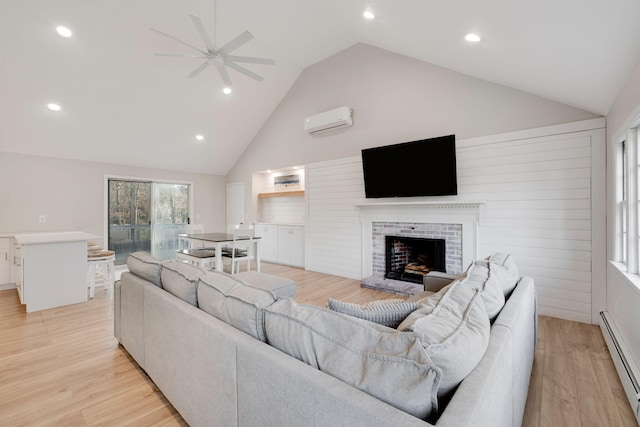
x: 224, y: 74
x: 244, y: 71
x: 197, y: 71
x: 178, y: 40
x: 197, y: 22
x: 179, y: 55
x: 250, y: 60
x: 235, y: 43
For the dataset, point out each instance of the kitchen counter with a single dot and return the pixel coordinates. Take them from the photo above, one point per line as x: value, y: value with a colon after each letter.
x: 53, y: 237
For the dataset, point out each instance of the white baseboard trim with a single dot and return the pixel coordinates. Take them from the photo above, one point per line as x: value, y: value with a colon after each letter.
x: 7, y: 286
x: 625, y: 366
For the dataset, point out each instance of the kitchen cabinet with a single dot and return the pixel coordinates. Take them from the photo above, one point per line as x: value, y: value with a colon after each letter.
x: 291, y: 245
x: 268, y: 234
x: 281, y: 243
x: 5, y: 262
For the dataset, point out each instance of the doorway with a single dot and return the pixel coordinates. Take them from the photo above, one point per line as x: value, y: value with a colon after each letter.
x: 146, y: 216
x: 235, y: 205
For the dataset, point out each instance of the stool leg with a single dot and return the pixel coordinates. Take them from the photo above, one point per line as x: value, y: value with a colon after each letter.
x: 92, y: 279
x: 109, y: 275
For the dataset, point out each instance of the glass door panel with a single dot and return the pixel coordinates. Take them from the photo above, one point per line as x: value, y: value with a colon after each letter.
x: 129, y: 218
x: 170, y: 217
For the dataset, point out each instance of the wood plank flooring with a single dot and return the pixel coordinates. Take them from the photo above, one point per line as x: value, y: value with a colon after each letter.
x: 64, y: 367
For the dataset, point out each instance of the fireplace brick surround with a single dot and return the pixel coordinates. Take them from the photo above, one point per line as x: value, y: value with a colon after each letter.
x: 451, y: 233
x: 456, y: 222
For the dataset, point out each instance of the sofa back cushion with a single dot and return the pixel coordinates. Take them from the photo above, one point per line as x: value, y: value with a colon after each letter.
x: 235, y: 303
x: 393, y: 367
x: 510, y: 274
x: 181, y: 280
x: 454, y: 332
x: 489, y: 279
x: 146, y: 266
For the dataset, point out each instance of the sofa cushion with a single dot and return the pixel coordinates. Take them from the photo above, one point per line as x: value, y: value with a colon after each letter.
x: 181, y: 280
x: 235, y: 303
x: 489, y: 279
x: 509, y: 273
x: 146, y: 266
x: 393, y: 367
x: 454, y: 332
x: 281, y: 286
x: 389, y: 312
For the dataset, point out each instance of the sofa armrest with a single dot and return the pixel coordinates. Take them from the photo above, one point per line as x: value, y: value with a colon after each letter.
x: 436, y: 280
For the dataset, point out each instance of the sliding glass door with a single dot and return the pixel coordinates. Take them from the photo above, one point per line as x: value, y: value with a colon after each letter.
x: 146, y: 216
x: 170, y: 216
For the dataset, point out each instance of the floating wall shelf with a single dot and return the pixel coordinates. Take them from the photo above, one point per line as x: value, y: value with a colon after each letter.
x: 281, y: 194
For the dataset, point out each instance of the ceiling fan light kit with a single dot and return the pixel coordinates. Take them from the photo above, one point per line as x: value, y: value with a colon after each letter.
x: 221, y: 58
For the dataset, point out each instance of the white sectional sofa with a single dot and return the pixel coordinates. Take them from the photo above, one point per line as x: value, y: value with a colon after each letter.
x: 208, y: 341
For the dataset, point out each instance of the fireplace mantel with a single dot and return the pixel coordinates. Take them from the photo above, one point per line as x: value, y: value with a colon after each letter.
x: 435, y: 205
x: 466, y: 213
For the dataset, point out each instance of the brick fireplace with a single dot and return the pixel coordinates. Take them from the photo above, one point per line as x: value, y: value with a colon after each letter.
x: 454, y: 224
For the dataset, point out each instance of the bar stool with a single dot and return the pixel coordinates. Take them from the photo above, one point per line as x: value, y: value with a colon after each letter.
x: 100, y: 270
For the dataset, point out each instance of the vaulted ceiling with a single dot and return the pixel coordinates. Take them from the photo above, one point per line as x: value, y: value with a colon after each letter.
x: 121, y: 104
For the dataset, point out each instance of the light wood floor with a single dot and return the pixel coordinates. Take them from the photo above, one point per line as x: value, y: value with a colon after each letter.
x: 63, y: 366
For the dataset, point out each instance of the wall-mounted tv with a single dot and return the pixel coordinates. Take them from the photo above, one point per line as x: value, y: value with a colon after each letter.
x: 418, y: 168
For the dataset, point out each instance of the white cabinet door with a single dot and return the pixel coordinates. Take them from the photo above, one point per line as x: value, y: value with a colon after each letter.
x: 5, y: 261
x: 268, y: 242
x: 297, y: 246
x: 18, y: 270
x: 291, y: 245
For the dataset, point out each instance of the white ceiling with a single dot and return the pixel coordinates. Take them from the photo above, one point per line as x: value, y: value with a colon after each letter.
x: 123, y: 105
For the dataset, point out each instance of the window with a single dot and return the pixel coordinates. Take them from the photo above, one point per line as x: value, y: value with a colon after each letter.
x: 628, y: 202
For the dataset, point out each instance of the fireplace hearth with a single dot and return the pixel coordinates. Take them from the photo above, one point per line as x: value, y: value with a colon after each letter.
x: 409, y: 259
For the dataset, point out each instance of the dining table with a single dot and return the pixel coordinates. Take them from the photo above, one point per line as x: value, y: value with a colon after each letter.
x: 219, y: 240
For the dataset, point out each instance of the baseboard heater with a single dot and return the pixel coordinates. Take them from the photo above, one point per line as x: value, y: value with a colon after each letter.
x: 626, y: 367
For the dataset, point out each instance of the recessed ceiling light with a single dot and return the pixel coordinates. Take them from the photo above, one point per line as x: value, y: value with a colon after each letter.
x: 368, y: 14
x: 226, y: 90
x: 474, y: 38
x: 200, y: 137
x: 54, y: 107
x: 64, y: 31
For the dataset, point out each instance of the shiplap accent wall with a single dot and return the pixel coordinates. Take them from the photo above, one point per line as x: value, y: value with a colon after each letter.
x: 545, y: 200
x: 334, y: 237
x: 283, y: 210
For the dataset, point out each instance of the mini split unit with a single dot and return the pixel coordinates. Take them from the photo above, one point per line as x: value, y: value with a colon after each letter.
x: 333, y: 119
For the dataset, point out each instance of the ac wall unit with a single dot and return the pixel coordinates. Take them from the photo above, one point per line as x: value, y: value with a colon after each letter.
x: 332, y: 119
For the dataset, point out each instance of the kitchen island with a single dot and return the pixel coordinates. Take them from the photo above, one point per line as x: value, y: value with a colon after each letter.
x: 51, y: 268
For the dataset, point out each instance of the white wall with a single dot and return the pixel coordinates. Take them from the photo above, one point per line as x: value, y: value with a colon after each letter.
x: 543, y: 203
x: 623, y: 295
x: 395, y: 99
x: 71, y: 193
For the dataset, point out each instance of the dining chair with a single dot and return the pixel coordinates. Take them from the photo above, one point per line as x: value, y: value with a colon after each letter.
x: 194, y: 229
x: 196, y: 253
x: 241, y: 247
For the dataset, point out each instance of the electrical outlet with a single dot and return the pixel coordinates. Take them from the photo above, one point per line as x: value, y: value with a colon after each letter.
x: 42, y: 218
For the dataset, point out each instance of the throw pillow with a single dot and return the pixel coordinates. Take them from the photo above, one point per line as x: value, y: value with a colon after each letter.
x: 389, y: 312
x: 383, y: 363
x: 146, y: 266
x: 455, y: 333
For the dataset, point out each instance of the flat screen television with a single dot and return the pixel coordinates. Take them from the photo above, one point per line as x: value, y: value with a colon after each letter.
x: 418, y: 168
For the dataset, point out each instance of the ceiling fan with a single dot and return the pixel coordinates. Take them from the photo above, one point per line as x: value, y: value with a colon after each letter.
x: 219, y: 58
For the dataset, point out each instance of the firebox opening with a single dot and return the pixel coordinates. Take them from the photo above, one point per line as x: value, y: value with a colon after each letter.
x: 411, y: 258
